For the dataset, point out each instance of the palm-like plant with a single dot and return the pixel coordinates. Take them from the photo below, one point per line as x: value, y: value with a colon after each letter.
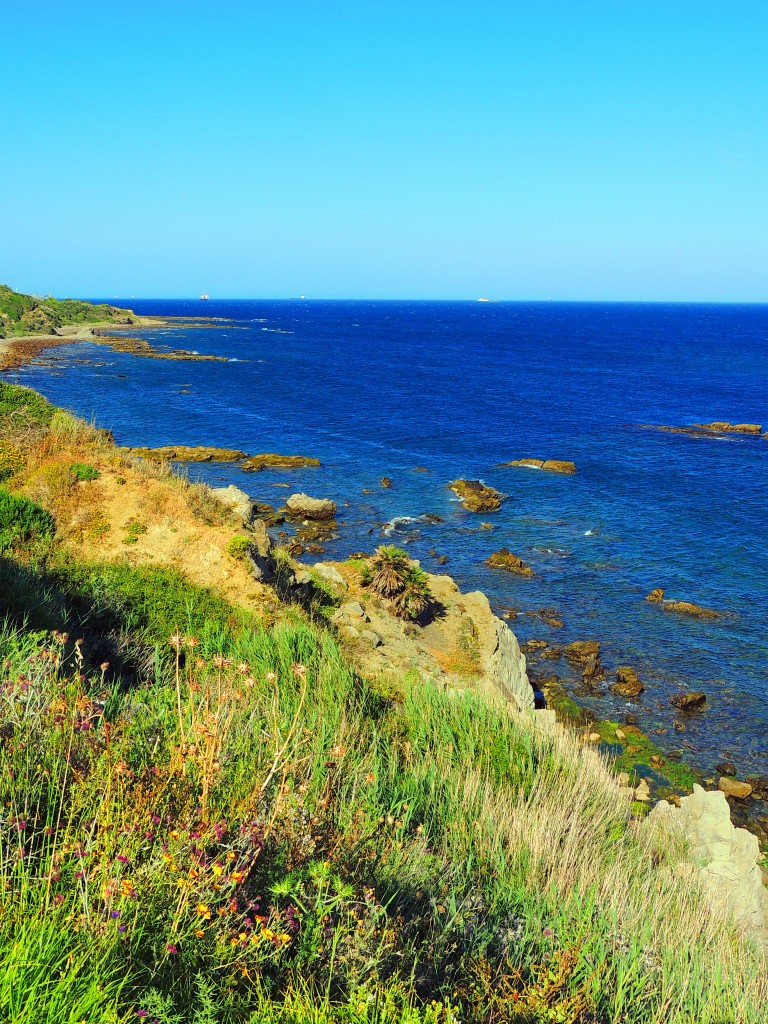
x: 394, y: 577
x: 390, y: 571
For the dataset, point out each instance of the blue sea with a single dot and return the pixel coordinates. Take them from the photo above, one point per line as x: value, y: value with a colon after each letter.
x: 378, y: 389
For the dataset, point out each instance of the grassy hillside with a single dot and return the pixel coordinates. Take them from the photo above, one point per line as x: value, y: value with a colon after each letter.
x: 26, y: 314
x: 209, y: 817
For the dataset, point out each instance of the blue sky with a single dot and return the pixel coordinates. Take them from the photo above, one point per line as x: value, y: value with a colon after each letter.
x: 576, y: 150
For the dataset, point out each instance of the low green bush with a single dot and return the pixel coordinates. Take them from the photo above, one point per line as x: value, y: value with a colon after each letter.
x: 82, y: 471
x: 238, y: 546
x: 22, y: 522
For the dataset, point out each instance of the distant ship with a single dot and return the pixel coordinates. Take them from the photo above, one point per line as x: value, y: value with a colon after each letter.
x: 204, y: 295
x: 484, y: 300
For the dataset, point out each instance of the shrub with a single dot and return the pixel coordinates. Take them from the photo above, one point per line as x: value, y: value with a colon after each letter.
x: 82, y: 471
x: 238, y: 546
x: 22, y: 521
x: 134, y: 530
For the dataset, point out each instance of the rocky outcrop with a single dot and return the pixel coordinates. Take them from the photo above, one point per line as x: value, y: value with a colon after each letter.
x: 628, y: 683
x: 656, y: 595
x: 549, y: 465
x: 270, y: 460
x: 726, y: 857
x: 187, y: 453
x: 477, y: 496
x: 502, y: 661
x: 723, y: 427
x: 504, y: 559
x: 579, y: 651
x: 302, y: 506
x: 237, y: 501
x: 689, y: 608
x: 260, y: 553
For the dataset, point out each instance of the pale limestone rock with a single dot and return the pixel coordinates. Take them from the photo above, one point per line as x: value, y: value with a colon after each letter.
x: 734, y: 788
x: 330, y: 574
x: 260, y: 552
x: 503, y: 662
x: 727, y: 857
x: 642, y: 791
x: 302, y: 506
x: 236, y: 500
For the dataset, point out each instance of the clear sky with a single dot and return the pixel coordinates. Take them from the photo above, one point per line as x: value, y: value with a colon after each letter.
x: 519, y: 150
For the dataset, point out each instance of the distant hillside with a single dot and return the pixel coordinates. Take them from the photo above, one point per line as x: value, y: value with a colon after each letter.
x: 27, y: 314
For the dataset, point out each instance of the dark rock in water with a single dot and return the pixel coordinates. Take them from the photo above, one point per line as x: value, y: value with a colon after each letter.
x: 420, y: 469
x: 295, y: 549
x: 367, y: 490
x: 315, y: 549
x: 188, y: 453
x: 301, y: 506
x: 689, y: 701
x: 592, y: 668
x: 656, y: 595
x: 476, y: 496
x: 724, y: 427
x: 631, y: 718
x: 487, y: 526
x: 678, y: 726
x: 432, y: 518
x: 759, y: 784
x: 386, y: 482
x: 628, y: 683
x: 554, y: 623
x: 504, y: 559
x: 726, y: 768
x: 580, y: 650
x: 442, y: 559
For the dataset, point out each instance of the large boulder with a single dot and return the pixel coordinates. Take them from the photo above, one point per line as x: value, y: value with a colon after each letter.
x: 302, y: 506
x: 727, y: 858
x: 504, y: 559
x: 734, y: 788
x: 477, y: 496
x: 237, y: 501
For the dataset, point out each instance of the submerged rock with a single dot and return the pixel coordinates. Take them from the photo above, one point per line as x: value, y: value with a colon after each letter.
x: 550, y: 465
x: 689, y: 608
x: 302, y: 506
x: 504, y: 559
x: 628, y: 683
x: 689, y: 701
x: 477, y: 496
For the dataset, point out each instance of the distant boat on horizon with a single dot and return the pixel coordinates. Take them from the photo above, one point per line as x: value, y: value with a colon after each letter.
x: 204, y: 295
x: 485, y: 300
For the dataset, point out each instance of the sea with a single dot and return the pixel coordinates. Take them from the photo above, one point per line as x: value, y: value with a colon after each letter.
x: 427, y: 392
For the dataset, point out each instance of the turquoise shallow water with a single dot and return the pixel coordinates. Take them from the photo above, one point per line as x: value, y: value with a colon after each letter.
x: 377, y: 389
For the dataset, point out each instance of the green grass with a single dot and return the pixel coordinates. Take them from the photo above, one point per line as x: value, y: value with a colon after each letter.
x: 22, y: 408
x: 250, y: 832
x: 27, y: 314
x: 82, y: 471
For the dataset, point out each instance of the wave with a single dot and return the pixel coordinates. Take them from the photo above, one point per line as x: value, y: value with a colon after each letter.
x: 276, y: 330
x: 403, y: 522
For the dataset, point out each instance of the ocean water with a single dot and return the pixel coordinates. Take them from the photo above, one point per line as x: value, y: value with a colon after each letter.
x: 378, y: 389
